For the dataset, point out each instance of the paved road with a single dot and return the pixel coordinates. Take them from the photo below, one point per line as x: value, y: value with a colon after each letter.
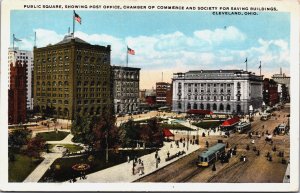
x: 255, y: 169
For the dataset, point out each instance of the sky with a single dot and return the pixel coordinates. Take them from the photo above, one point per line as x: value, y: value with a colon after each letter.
x: 168, y: 42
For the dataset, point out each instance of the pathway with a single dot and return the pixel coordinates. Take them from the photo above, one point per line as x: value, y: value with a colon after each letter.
x: 49, y: 158
x: 123, y: 172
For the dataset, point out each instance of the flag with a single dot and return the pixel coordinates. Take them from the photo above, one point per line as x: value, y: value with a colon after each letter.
x: 246, y: 60
x: 259, y: 66
x: 77, y: 17
x: 16, y: 39
x: 130, y: 51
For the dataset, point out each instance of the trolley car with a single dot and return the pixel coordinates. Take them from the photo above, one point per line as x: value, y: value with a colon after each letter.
x: 242, y: 127
x: 211, y: 155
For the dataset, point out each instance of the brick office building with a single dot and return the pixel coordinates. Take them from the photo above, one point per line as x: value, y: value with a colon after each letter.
x: 17, y: 93
x: 163, y: 93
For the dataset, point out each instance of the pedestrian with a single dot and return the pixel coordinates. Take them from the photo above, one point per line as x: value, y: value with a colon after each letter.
x: 128, y: 159
x: 171, y: 146
x: 168, y: 154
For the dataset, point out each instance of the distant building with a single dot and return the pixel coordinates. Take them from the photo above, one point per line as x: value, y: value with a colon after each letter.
x: 221, y: 91
x: 126, y: 89
x: 163, y: 93
x: 281, y: 78
x: 73, y: 77
x: 150, y: 96
x: 270, y: 92
x: 17, y: 93
x: 26, y: 56
x: 142, y: 95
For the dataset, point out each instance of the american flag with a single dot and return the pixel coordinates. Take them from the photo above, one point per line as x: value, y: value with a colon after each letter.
x: 77, y: 17
x: 130, y: 51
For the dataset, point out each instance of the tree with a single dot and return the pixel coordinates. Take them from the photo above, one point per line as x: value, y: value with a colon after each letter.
x: 48, y: 111
x: 92, y: 131
x: 35, y: 146
x: 156, y: 136
x: 19, y: 137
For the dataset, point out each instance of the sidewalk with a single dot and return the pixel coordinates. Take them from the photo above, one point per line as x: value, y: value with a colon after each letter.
x: 39, y: 171
x: 49, y: 158
x: 123, y: 172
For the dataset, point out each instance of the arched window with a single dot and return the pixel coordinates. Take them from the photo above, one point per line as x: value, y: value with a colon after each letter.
x: 179, y: 105
x: 221, y: 107
x: 189, y: 106
x: 201, y: 106
x: 195, y: 106
x: 208, y: 106
x: 214, y: 107
x: 228, y: 108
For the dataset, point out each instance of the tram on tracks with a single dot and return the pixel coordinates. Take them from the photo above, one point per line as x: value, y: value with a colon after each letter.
x: 241, y: 127
x: 211, y: 155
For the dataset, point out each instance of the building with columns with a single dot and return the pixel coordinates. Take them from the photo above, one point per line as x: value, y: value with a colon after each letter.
x: 126, y: 89
x: 221, y: 91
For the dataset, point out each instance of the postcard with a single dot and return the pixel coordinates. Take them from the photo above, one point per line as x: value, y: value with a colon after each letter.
x: 149, y: 96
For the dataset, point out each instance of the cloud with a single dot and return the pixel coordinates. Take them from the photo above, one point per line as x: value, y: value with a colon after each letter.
x: 176, y: 51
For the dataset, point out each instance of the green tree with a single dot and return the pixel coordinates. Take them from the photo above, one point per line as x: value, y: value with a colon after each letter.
x: 156, y: 134
x: 19, y: 137
x: 35, y: 146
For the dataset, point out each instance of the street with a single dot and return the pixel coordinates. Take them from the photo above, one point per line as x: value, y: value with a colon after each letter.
x: 255, y: 169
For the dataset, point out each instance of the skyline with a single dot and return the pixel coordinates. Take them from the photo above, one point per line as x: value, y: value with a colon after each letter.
x: 166, y: 42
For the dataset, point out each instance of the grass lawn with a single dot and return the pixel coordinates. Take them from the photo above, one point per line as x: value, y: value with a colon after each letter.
x: 208, y: 124
x: 71, y: 147
x: 66, y: 172
x: 175, y: 126
x: 19, y: 169
x: 53, y: 136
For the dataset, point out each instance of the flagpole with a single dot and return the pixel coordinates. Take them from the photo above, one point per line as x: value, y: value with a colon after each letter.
x: 246, y: 64
x: 127, y: 57
x: 260, y: 68
x: 73, y: 22
x: 14, y: 42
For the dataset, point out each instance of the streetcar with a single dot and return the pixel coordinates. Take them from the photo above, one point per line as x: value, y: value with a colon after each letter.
x: 265, y: 116
x: 242, y: 127
x: 211, y: 155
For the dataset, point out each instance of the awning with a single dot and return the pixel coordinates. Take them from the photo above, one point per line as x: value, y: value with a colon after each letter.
x: 199, y: 112
x: 167, y: 133
x: 230, y: 122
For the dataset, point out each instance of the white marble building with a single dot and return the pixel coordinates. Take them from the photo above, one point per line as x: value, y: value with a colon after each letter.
x: 221, y: 91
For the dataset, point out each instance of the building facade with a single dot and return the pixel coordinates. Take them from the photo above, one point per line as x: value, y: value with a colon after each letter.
x: 281, y: 78
x: 26, y: 56
x: 270, y: 92
x: 17, y: 92
x: 221, y: 91
x: 73, y: 77
x: 126, y: 83
x: 163, y: 93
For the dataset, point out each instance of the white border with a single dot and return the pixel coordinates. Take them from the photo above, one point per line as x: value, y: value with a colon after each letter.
x: 289, y: 6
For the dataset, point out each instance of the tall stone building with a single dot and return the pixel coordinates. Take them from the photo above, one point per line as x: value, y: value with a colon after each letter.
x: 221, y: 91
x: 126, y: 89
x: 17, y: 93
x: 15, y: 54
x: 72, y: 77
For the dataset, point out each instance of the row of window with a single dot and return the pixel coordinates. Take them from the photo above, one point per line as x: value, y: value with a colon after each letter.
x: 208, y: 90
x: 205, y: 97
x: 207, y: 106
